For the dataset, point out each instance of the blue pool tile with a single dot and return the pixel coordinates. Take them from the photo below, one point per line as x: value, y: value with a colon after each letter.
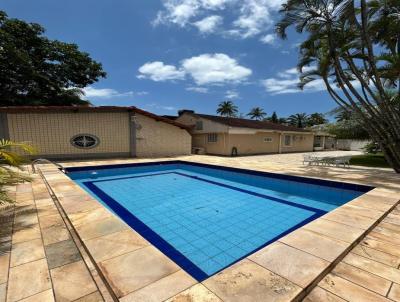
x: 210, y: 266
x: 224, y: 259
x: 207, y: 219
x: 211, y: 250
x: 236, y: 252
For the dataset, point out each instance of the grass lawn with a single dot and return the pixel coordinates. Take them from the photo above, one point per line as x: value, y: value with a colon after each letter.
x: 369, y: 160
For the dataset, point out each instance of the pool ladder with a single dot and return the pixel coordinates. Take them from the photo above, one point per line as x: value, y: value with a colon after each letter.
x: 44, y: 160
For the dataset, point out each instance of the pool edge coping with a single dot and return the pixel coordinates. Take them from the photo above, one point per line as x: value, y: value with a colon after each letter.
x: 302, y: 293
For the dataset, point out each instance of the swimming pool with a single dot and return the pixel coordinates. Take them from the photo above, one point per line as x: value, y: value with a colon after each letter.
x: 207, y: 217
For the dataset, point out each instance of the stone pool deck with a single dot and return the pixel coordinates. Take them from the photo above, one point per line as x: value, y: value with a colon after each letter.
x: 66, y: 246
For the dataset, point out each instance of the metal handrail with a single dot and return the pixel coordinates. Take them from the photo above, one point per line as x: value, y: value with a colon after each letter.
x: 36, y: 161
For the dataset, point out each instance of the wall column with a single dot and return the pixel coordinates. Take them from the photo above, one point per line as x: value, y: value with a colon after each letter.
x: 280, y: 143
x: 4, y: 131
x: 132, y: 134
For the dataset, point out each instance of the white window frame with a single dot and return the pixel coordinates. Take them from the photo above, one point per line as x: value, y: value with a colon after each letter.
x: 268, y: 139
x: 284, y: 140
x: 212, y: 137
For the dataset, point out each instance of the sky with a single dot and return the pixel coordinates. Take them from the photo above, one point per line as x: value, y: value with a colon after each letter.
x: 166, y: 55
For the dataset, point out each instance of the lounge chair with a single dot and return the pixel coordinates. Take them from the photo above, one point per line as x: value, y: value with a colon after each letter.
x: 345, y: 161
x: 310, y: 159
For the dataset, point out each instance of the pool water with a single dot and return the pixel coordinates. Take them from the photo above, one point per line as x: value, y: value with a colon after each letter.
x: 204, y: 217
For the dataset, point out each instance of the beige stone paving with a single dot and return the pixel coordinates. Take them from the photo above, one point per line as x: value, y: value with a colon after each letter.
x: 307, y: 259
x: 328, y: 239
x: 39, y: 261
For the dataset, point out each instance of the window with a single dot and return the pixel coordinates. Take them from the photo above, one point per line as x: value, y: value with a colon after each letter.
x: 267, y: 139
x: 84, y: 141
x: 199, y: 125
x: 212, y: 137
x: 288, y: 140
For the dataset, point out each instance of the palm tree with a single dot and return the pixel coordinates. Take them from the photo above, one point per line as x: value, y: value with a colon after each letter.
x: 9, y: 158
x: 8, y: 154
x: 316, y: 119
x: 227, y: 108
x: 340, y: 48
x: 298, y: 120
x: 341, y: 114
x: 257, y: 113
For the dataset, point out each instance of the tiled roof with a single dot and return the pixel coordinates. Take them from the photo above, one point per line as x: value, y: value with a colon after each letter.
x: 246, y: 123
x: 52, y: 109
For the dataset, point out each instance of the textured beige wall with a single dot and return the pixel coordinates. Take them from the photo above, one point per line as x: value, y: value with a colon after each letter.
x: 220, y: 147
x: 51, y: 132
x: 254, y: 143
x: 247, y: 144
x: 208, y: 126
x: 160, y: 139
x: 300, y: 143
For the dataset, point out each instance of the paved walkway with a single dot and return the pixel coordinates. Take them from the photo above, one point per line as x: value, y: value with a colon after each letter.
x: 39, y: 259
x: 370, y: 272
x: 42, y: 259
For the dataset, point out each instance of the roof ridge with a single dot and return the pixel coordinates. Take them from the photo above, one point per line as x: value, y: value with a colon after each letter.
x: 249, y: 123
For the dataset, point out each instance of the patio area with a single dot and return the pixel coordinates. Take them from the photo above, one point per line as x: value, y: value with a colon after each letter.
x: 59, y: 244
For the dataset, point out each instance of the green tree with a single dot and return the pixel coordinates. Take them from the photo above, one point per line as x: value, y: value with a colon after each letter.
x: 282, y: 120
x: 348, y: 129
x: 227, y: 108
x: 9, y: 158
x: 257, y: 113
x: 274, y: 118
x: 35, y: 70
x: 316, y: 119
x: 298, y: 120
x: 341, y: 114
x: 355, y: 46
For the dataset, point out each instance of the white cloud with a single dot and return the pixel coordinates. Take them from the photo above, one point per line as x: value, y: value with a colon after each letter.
x: 205, y: 69
x: 287, y: 80
x: 197, y: 89
x: 163, y: 107
x: 214, y: 4
x: 251, y: 17
x: 215, y: 69
x: 232, y: 94
x: 255, y: 16
x: 208, y: 24
x: 92, y: 92
x: 158, y: 71
x: 268, y: 39
x: 177, y: 11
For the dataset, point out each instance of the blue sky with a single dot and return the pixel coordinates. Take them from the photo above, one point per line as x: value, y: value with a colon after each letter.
x: 165, y: 55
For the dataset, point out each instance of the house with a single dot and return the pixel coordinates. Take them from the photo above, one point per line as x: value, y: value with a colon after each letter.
x: 235, y: 136
x: 323, y: 140
x: 73, y: 132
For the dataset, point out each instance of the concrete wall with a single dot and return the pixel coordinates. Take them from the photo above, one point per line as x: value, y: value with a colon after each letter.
x: 51, y: 134
x: 254, y: 143
x: 155, y: 139
x: 302, y: 142
x: 351, y: 144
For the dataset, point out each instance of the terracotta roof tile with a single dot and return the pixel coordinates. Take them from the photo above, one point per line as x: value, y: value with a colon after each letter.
x: 246, y: 123
x: 53, y: 109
